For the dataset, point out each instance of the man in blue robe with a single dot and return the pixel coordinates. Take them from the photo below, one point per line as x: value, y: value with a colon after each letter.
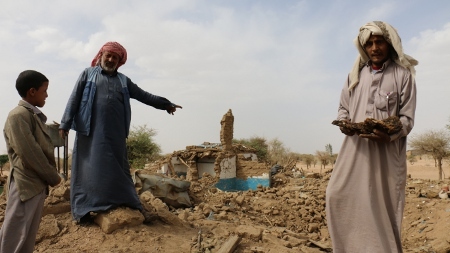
x: 99, y: 111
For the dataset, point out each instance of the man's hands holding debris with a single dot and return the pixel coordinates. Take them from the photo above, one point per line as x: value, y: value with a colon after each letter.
x: 377, y: 136
x: 372, y: 129
x: 345, y: 130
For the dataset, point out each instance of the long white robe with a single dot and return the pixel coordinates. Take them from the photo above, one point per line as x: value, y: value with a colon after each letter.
x: 366, y: 193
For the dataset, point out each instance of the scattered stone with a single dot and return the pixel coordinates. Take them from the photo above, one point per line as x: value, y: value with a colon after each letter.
x: 118, y: 218
x: 51, y: 228
x: 249, y: 232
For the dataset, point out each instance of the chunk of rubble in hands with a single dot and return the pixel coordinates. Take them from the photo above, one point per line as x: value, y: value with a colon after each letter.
x: 390, y: 125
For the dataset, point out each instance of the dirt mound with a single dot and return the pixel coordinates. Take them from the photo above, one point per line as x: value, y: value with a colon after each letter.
x: 287, y: 218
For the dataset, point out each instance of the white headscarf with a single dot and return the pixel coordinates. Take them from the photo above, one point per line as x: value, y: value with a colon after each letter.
x: 391, y: 36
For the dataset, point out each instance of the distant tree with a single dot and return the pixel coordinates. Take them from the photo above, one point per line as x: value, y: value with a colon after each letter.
x: 292, y: 159
x: 308, y: 159
x: 329, y: 150
x: 3, y: 159
x: 141, y: 147
x: 272, y: 152
x: 411, y: 159
x: 278, y: 153
x: 258, y: 143
x: 333, y: 159
x: 295, y: 156
x: 434, y: 143
x: 324, y: 158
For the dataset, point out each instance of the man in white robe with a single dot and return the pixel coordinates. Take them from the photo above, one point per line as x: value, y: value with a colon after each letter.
x: 366, y: 193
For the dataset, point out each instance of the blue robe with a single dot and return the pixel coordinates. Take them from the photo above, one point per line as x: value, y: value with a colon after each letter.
x: 100, y: 174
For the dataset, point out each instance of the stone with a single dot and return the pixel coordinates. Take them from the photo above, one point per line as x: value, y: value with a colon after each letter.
x: 62, y: 192
x: 239, y: 200
x: 118, y: 218
x: 62, y: 207
x: 249, y: 232
x: 313, y: 227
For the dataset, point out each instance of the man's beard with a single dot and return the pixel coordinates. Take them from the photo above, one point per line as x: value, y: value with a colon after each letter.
x: 109, y: 67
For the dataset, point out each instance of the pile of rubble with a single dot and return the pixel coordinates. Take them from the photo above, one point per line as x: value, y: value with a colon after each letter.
x: 286, y: 218
x: 191, y: 214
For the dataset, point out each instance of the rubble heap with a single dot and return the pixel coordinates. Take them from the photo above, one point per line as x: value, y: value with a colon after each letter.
x: 286, y: 218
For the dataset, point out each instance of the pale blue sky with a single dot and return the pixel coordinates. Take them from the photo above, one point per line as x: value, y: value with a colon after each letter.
x: 278, y: 65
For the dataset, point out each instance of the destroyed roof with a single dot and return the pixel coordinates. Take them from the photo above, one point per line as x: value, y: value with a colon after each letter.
x: 238, y: 148
x: 206, y: 145
x: 208, y: 149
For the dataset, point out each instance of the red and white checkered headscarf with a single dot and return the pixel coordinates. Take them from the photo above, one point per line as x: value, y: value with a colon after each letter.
x: 114, y: 47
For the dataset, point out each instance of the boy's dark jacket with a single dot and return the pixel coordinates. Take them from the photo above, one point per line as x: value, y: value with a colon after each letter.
x: 30, y: 152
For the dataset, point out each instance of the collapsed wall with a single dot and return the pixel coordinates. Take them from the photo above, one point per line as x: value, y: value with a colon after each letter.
x: 230, y: 165
x: 226, y: 131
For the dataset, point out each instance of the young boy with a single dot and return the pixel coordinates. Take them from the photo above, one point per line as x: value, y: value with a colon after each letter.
x: 33, y: 166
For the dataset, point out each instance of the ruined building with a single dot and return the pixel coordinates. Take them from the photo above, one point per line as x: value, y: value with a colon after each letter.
x: 233, y: 166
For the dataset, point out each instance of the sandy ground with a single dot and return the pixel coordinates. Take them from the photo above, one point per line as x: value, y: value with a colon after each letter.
x: 423, y: 168
x: 287, y: 218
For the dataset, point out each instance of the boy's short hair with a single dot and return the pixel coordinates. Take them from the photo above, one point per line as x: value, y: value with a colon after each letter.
x: 29, y: 79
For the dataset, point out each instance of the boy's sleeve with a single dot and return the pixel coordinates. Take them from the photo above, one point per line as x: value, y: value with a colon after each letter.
x: 24, y: 143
